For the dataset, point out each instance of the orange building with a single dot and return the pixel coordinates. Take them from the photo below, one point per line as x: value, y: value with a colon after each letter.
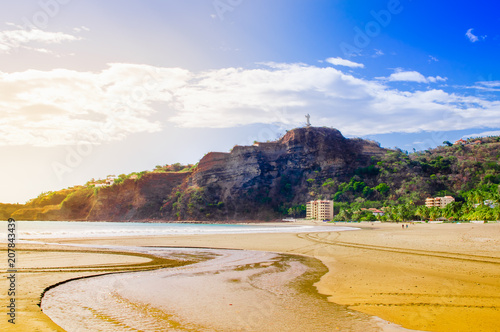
x: 439, y: 202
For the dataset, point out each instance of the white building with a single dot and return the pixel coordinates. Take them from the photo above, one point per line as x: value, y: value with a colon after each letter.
x: 319, y: 210
x: 110, y: 180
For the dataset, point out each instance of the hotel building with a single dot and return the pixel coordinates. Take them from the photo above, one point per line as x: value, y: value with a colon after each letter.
x: 319, y: 210
x: 440, y: 202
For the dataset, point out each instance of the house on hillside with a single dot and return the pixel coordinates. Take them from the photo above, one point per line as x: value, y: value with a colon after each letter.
x: 110, y: 180
x: 468, y: 142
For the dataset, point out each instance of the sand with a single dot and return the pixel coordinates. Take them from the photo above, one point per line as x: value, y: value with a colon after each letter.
x: 430, y: 277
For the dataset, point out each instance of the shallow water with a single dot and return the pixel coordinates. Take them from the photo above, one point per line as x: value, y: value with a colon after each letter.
x: 235, y: 291
x: 64, y: 229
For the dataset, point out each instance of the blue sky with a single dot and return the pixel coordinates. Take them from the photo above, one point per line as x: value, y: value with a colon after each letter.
x: 91, y: 88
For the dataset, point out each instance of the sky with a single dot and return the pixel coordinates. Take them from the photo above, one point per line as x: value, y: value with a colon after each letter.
x: 92, y: 88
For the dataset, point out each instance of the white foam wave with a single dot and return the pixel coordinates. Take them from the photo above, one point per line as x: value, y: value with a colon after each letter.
x: 28, y: 230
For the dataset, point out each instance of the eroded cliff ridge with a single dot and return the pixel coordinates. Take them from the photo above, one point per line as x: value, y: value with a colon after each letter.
x: 257, y: 182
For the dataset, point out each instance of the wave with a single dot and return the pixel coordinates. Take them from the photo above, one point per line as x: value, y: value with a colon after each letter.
x: 55, y: 229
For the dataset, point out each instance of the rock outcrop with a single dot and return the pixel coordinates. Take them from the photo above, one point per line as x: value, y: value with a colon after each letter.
x: 256, y: 182
x: 250, y: 182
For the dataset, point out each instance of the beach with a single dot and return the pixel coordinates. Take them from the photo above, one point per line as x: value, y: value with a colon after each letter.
x: 429, y: 277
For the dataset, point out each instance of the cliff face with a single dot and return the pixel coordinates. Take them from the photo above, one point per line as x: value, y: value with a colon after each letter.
x: 250, y: 182
x: 298, y: 153
x: 135, y: 200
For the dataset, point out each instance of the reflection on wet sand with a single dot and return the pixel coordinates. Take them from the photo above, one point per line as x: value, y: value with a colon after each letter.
x: 235, y: 291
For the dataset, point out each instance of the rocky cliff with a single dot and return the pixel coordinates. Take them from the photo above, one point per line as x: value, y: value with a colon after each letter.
x: 250, y: 182
x: 263, y: 180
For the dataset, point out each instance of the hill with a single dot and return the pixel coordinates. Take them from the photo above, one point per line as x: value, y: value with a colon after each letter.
x: 269, y: 180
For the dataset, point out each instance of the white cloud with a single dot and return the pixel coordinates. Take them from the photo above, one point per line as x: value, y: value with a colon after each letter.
x: 432, y: 58
x: 378, y: 53
x: 23, y: 38
x: 483, y: 134
x: 473, y: 38
x: 412, y: 76
x: 47, y: 108
x: 491, y: 86
x: 65, y: 107
x: 80, y: 29
x: 344, y: 62
x: 235, y: 96
x: 436, y: 79
x: 407, y: 76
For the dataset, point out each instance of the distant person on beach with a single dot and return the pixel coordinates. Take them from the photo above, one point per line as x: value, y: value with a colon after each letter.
x: 406, y: 225
x: 403, y: 226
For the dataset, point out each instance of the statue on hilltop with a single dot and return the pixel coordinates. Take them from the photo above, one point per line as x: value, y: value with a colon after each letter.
x: 308, y: 124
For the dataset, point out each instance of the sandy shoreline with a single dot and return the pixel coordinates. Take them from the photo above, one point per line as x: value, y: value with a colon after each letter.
x: 433, y: 277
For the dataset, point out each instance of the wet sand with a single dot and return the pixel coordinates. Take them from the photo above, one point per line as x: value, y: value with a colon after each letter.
x: 42, y: 266
x: 432, y: 277
x: 239, y: 290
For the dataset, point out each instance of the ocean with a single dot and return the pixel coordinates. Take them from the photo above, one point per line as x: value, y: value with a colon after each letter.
x: 29, y: 230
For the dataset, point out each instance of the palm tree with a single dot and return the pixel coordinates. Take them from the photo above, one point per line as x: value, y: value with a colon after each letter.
x: 452, y: 210
x: 409, y: 210
x: 479, y: 197
x: 389, y: 214
x: 434, y: 213
x: 423, y: 212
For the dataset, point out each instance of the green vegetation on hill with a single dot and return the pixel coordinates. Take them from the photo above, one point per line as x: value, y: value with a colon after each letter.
x: 6, y: 210
x: 177, y: 167
x: 401, y: 181
x: 75, y: 203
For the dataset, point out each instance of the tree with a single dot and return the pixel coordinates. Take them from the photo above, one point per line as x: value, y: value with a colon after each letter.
x: 297, y: 211
x: 382, y: 188
x: 388, y: 214
x: 367, y: 191
x: 434, y: 212
x: 423, y: 212
x: 329, y: 183
x: 367, y: 216
x: 452, y: 211
x: 448, y: 143
x: 344, y: 215
x: 177, y: 167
